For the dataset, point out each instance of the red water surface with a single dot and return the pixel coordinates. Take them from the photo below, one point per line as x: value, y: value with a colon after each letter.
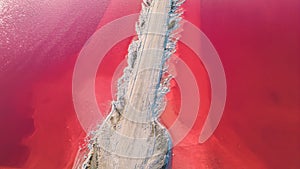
x: 258, y: 43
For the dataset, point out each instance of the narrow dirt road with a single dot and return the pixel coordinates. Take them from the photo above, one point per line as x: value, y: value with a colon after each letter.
x: 131, y: 137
